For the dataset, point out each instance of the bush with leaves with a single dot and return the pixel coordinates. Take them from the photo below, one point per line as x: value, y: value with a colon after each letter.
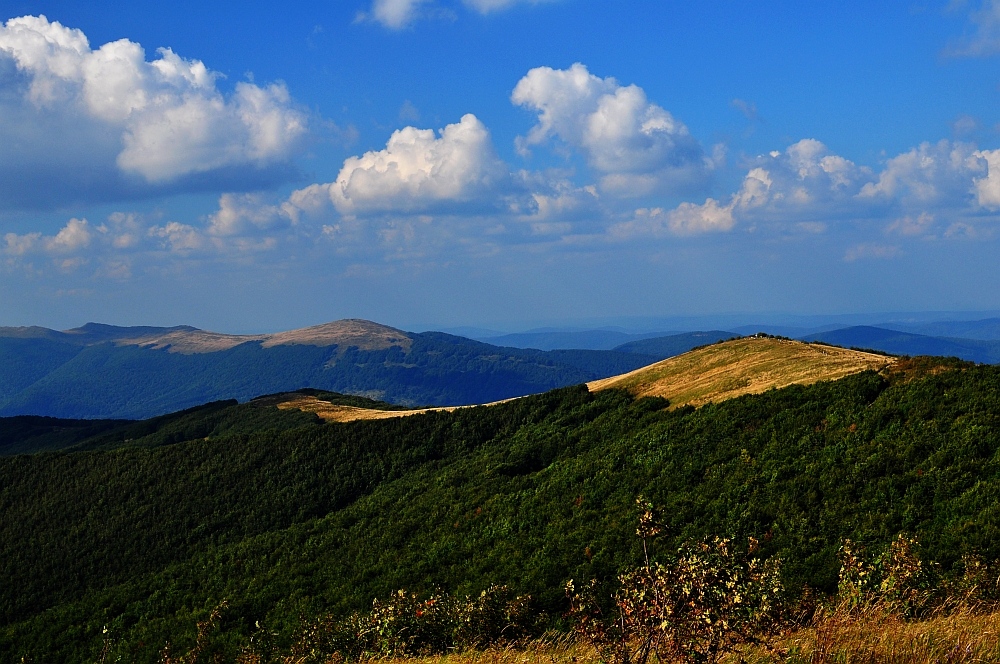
x: 977, y: 582
x: 702, y: 603
x: 407, y: 624
x: 895, y: 579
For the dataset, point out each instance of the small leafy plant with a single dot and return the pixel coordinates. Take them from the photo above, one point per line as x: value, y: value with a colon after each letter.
x: 703, y: 602
x: 407, y: 624
x: 896, y: 579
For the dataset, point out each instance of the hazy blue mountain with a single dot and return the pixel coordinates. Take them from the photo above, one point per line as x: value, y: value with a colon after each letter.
x: 674, y: 344
x: 792, y: 331
x: 552, y: 339
x: 905, y: 343
x: 100, y: 371
x: 986, y: 330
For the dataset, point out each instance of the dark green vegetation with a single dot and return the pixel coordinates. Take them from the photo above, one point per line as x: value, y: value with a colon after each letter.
x: 91, y: 373
x: 26, y: 434
x: 286, y: 518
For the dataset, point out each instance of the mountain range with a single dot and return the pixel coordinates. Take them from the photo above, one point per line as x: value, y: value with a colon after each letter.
x: 975, y: 340
x: 108, y: 372
x: 102, y: 371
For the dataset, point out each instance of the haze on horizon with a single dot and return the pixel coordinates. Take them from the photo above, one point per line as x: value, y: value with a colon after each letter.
x: 442, y: 163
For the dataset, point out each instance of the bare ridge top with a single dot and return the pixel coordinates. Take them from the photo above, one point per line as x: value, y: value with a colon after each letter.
x: 187, y: 340
x: 742, y: 366
x: 364, y: 334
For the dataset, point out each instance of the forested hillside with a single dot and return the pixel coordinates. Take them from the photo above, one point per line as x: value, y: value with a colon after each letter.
x: 286, y: 517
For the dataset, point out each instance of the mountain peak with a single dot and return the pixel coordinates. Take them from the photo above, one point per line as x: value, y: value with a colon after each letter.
x: 358, y: 332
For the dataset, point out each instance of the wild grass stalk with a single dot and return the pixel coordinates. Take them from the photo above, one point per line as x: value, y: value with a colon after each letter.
x: 965, y: 635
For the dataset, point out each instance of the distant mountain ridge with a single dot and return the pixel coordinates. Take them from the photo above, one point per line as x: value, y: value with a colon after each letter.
x: 555, y: 339
x: 362, y: 334
x: 108, y: 372
x: 907, y: 343
x: 986, y: 329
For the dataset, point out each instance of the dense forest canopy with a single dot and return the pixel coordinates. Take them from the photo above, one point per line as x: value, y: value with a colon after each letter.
x: 282, y: 515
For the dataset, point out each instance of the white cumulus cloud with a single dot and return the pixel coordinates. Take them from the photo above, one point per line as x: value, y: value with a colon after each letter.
x: 72, y: 238
x: 242, y: 214
x: 987, y: 187
x: 806, y: 180
x: 808, y: 184
x: 21, y: 245
x: 178, y: 237
x: 931, y: 174
x: 162, y: 119
x: 417, y: 171
x: 393, y: 14
x: 636, y: 146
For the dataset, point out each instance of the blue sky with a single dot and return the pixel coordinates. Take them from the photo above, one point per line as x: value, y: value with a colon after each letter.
x: 495, y: 162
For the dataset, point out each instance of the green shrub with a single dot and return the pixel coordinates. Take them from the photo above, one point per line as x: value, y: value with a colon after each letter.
x: 701, y: 604
x: 407, y: 624
x: 896, y: 579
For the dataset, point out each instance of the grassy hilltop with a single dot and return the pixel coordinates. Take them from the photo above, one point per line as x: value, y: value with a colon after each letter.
x: 742, y: 366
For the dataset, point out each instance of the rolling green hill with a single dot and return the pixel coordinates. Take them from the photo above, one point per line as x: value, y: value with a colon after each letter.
x: 144, y: 528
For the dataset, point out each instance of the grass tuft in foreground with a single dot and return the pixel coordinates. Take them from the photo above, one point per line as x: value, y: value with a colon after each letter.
x: 967, y: 635
x: 964, y: 635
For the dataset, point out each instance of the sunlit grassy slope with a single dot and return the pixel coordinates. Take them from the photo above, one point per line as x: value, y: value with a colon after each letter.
x: 741, y: 366
x: 712, y: 373
x: 332, y: 412
x: 338, y: 413
x: 963, y: 637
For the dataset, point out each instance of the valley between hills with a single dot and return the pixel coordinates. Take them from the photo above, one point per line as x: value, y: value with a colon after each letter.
x: 262, y: 528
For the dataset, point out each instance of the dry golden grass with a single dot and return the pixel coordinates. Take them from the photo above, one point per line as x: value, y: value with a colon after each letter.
x: 334, y: 413
x: 363, y: 334
x: 742, y: 366
x: 556, y: 649
x: 190, y: 342
x: 963, y: 637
